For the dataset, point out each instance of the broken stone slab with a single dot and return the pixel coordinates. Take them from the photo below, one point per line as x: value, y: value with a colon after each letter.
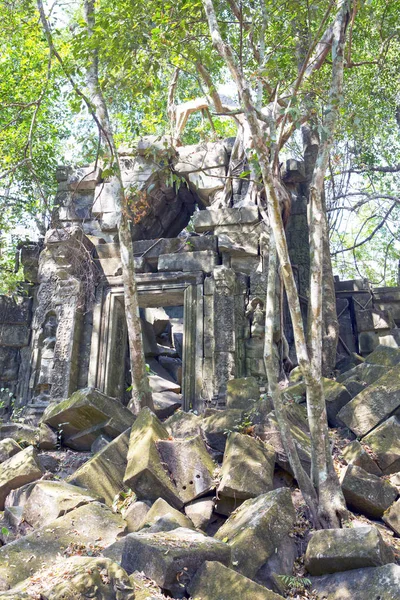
x: 79, y: 578
x: 20, y: 469
x: 215, y: 581
x: 135, y: 514
x: 52, y: 499
x: 150, y: 347
x: 200, y: 260
x: 206, y: 220
x: 366, y: 493
x: 373, y: 405
x: 161, y: 509
x: 190, y: 466
x: 171, y: 364
x: 172, y: 558
x: 145, y: 473
x: 332, y: 550
x: 385, y: 356
x: 355, y: 454
x: 242, y: 393
x: 218, y: 423
x: 8, y: 448
x: 359, y: 584
x: 166, y: 403
x: 13, y: 517
x: 225, y: 505
x: 103, y: 474
x: 151, y: 249
x: 384, y: 441
x: 301, y: 439
x: 392, y: 517
x: 336, y: 397
x: 200, y: 512
x: 91, y: 525
x: 183, y: 425
x: 247, y: 467
x: 99, y: 443
x: 257, y: 529
x: 237, y: 243
x: 48, y: 439
x: 362, y: 375
x: 20, y: 433
x: 85, y: 415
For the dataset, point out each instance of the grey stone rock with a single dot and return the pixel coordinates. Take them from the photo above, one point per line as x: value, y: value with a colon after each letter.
x: 47, y: 438
x: 332, y: 550
x: 183, y: 425
x: 201, y: 260
x: 135, y: 514
x: 218, y: 423
x: 242, y: 393
x: 99, y: 444
x: 215, y: 581
x: 257, y: 528
x: 206, y: 220
x: 355, y: 454
x: 200, y: 512
x: 20, y: 469
x: 20, y: 433
x: 226, y: 505
x: 8, y: 447
x: 166, y: 403
x: 161, y: 509
x: 247, y: 468
x: 392, y: 517
x: 164, y: 556
x: 373, y: 583
x: 367, y: 493
x: 336, y: 397
x: 385, y: 356
x: 385, y: 443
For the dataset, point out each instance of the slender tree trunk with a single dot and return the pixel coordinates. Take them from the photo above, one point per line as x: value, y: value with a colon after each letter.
x: 141, y: 392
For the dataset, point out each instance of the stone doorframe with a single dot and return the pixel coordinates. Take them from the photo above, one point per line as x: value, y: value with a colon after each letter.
x: 108, y: 341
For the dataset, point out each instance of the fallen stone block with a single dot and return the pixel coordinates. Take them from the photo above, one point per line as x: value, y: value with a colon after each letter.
x: 385, y: 443
x: 8, y: 447
x: 166, y: 403
x: 218, y: 423
x: 183, y: 425
x: 20, y: 433
x: 355, y: 454
x: 99, y: 443
x: 48, y: 439
x: 366, y: 493
x: 200, y: 512
x: 145, y: 473
x: 336, y: 397
x: 170, y: 363
x: 332, y: 550
x: 190, y: 466
x: 20, y: 469
x: 392, y: 517
x: 85, y: 415
x: 360, y: 584
x: 301, y: 438
x: 161, y: 509
x: 171, y: 559
x: 103, y: 474
x: 135, y: 514
x: 385, y: 356
x: 257, y: 529
x: 51, y: 499
x: 90, y: 525
x: 199, y: 260
x: 242, y: 393
x: 215, y: 581
x: 373, y: 405
x: 226, y: 505
x: 247, y: 467
x: 363, y: 375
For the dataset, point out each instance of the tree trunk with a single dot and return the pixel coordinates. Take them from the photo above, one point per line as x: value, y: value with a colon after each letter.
x: 141, y: 392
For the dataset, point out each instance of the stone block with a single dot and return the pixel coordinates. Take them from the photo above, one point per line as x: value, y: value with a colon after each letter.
x: 360, y: 584
x: 103, y: 474
x: 247, y: 468
x: 20, y: 469
x: 8, y: 448
x: 152, y: 249
x: 190, y: 466
x: 183, y: 425
x: 336, y: 397
x: 161, y: 509
x: 14, y: 336
x: 200, y: 511
x: 9, y: 362
x: 373, y: 405
x: 217, y: 424
x: 355, y: 454
x: 52, y: 499
x: 20, y: 433
x: 85, y: 415
x: 225, y: 505
x: 367, y: 341
x: 135, y: 514
x: 48, y: 439
x: 257, y: 529
x: 171, y: 364
x: 392, y: 517
x: 246, y: 265
x: 14, y: 310
x: 301, y: 439
x: 205, y: 220
x: 92, y: 524
x: 171, y: 559
x: 145, y: 473
x: 105, y: 198
x: 242, y: 393
x: 215, y: 581
x: 365, y: 374
x: 385, y: 443
x: 166, y: 403
x: 332, y: 550
x: 237, y: 243
x: 202, y: 260
x: 384, y: 356
x: 366, y: 493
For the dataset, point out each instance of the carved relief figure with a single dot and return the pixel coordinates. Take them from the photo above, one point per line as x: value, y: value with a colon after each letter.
x: 256, y: 316
x: 47, y: 341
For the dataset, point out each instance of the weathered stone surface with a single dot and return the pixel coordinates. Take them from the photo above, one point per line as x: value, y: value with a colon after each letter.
x: 385, y: 356
x: 52, y: 499
x: 205, y: 220
x: 355, y: 454
x: 225, y: 505
x: 247, y: 468
x: 332, y: 550
x: 8, y: 448
x: 242, y: 393
x: 90, y: 524
x: 166, y: 403
x: 135, y: 514
x: 336, y: 397
x: 15, y: 309
x: 162, y: 556
x: 99, y: 444
x: 392, y: 517
x: 162, y: 509
x: 19, y: 432
x: 85, y: 415
x: 385, y: 443
x: 18, y: 470
x: 104, y: 473
x: 364, y: 374
x: 145, y: 473
x: 214, y: 581
x: 183, y: 425
x: 200, y: 511
x: 301, y: 439
x: 360, y: 584
x: 367, y: 493
x: 201, y: 260
x: 373, y: 405
x: 256, y: 530
x: 81, y: 577
x: 218, y: 423
x: 47, y: 438
x: 190, y: 466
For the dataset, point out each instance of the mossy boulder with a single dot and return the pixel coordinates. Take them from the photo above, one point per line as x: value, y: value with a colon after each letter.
x: 8, y: 447
x: 372, y: 583
x: 183, y: 425
x: 355, y: 454
x: 385, y: 443
x: 217, y: 424
x: 161, y: 509
x: 386, y: 356
x: 242, y: 393
x: 20, y: 469
x: 366, y: 493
